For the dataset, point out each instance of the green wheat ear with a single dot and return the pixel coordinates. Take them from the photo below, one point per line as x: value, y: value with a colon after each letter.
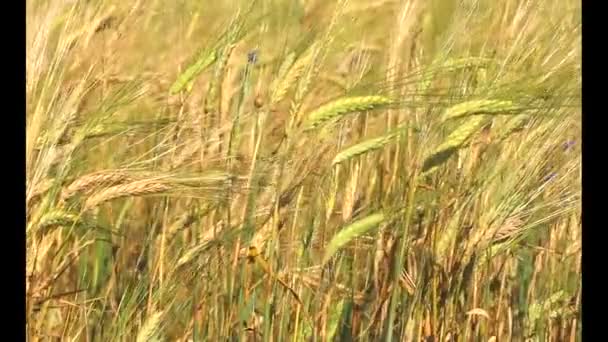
x: 337, y: 108
x: 456, y: 140
x: 476, y: 107
x: 186, y: 78
x: 351, y: 232
x: 367, y: 146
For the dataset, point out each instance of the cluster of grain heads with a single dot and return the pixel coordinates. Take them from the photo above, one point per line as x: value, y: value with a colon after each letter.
x: 472, y: 115
x: 340, y: 107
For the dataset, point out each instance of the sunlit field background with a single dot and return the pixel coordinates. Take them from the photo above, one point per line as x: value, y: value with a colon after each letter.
x: 266, y: 170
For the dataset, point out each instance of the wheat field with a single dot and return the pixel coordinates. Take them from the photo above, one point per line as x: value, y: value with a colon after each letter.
x: 306, y: 170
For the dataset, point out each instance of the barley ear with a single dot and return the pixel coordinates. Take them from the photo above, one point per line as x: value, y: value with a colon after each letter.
x: 366, y: 146
x: 476, y: 107
x: 204, y: 60
x: 137, y: 188
x: 337, y: 108
x: 351, y: 232
x: 456, y: 140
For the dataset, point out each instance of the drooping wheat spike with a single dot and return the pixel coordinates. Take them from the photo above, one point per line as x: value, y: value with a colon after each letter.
x: 58, y: 218
x: 450, y: 65
x: 366, y: 146
x: 133, y: 189
x: 262, y: 235
x: 496, y: 241
x: 351, y: 232
x: 350, y: 195
x: 204, y: 243
x: 288, y: 78
x: 204, y: 60
x: 192, y: 146
x: 281, y: 73
x: 454, y: 64
x: 510, y: 228
x: 476, y: 107
x: 514, y: 125
x: 150, y: 330
x: 213, y: 98
x: 343, y: 106
x: 485, y: 237
x: 38, y: 191
x: 457, y: 139
x: 189, y: 218
x: 93, y: 181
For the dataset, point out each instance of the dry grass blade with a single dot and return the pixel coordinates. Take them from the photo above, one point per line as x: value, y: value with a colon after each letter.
x: 137, y: 188
x: 480, y: 107
x: 454, y: 141
x: 351, y: 232
x: 343, y: 106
